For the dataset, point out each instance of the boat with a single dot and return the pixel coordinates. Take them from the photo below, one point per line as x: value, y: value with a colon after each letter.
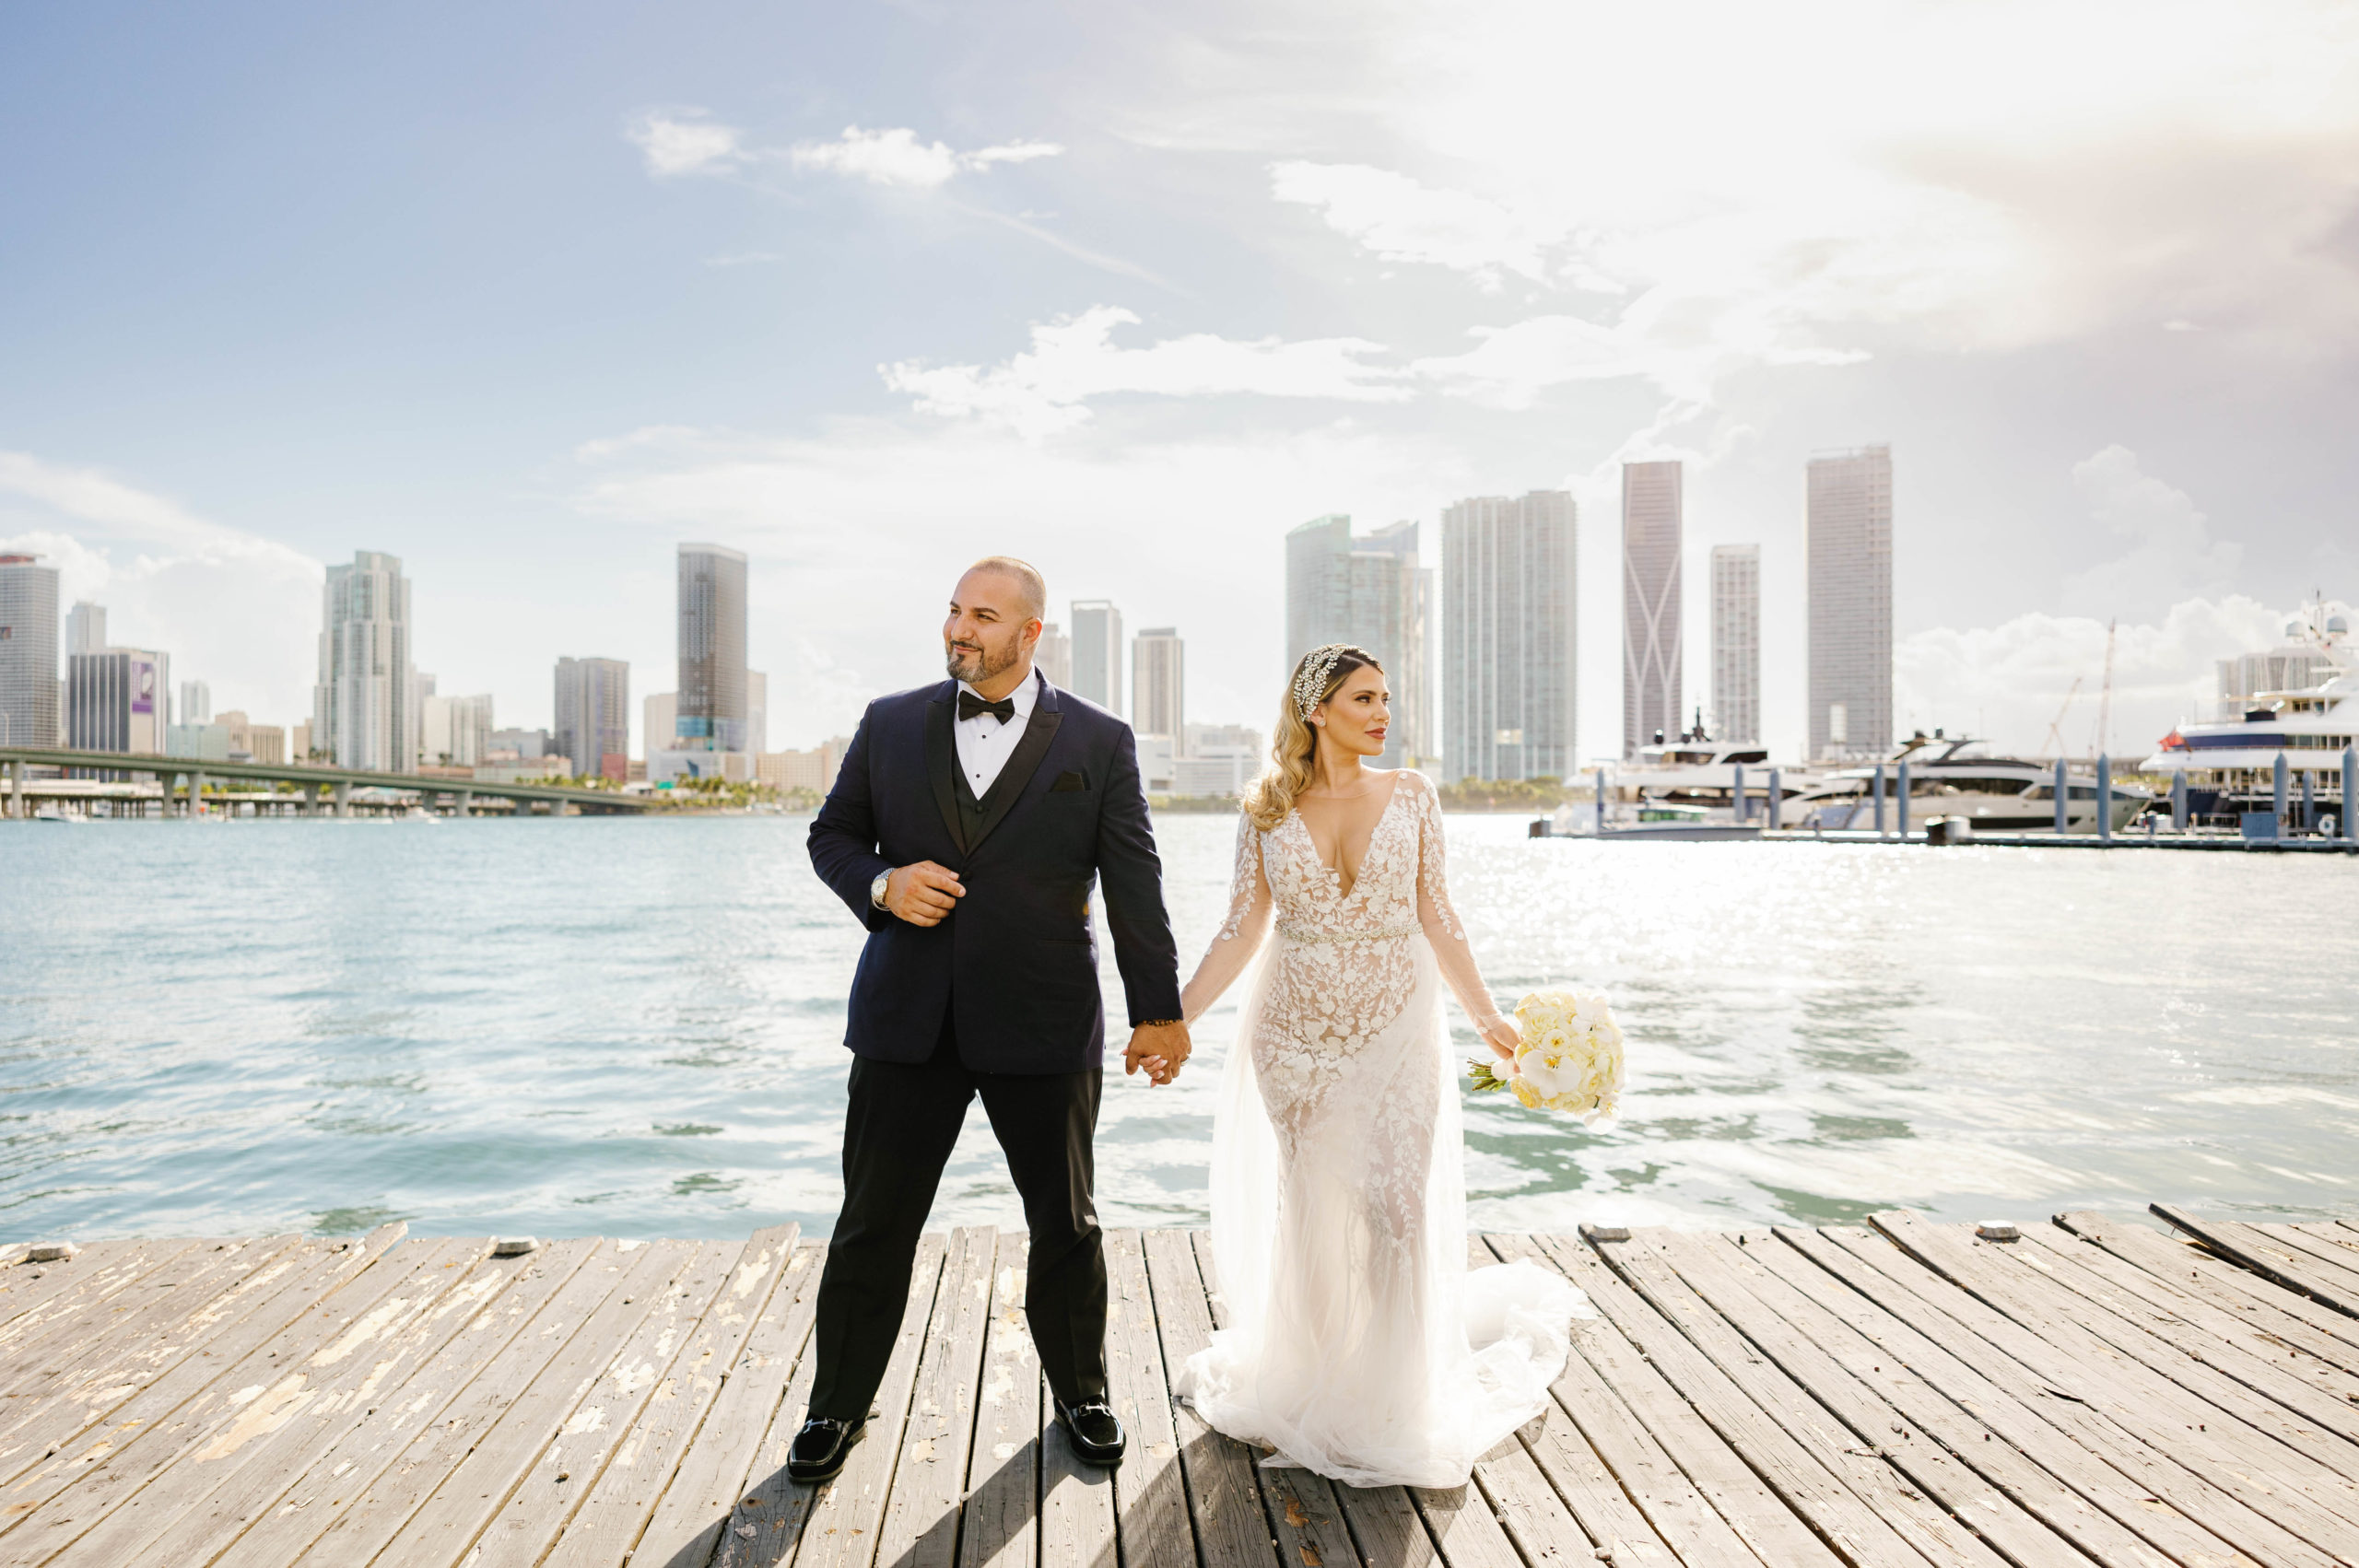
x: 1681, y: 825
x: 2230, y: 763
x: 1697, y: 771
x: 1961, y: 777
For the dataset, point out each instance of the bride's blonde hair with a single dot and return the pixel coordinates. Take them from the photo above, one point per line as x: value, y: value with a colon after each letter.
x: 1294, y: 744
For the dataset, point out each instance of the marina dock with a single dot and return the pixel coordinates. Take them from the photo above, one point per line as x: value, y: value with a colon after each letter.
x: 1902, y: 1392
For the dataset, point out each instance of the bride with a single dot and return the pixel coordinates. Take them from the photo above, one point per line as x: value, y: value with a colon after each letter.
x: 1358, y: 1344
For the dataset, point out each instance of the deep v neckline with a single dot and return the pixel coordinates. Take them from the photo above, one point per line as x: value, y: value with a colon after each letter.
x: 1335, y: 871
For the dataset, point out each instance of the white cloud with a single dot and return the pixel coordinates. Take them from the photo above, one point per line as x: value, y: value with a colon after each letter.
x: 2171, y: 552
x: 684, y: 142
x: 1047, y: 389
x: 1393, y: 216
x: 897, y: 159
x: 2010, y: 681
x: 232, y: 609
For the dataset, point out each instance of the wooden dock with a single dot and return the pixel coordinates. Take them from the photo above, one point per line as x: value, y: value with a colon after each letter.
x: 1904, y: 1394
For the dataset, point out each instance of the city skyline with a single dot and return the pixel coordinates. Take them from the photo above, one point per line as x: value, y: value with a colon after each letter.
x: 1373, y: 591
x: 1653, y: 601
x: 1851, y: 530
x: 1736, y: 642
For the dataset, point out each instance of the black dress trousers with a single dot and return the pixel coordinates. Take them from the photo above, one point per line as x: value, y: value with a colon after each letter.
x: 898, y: 1131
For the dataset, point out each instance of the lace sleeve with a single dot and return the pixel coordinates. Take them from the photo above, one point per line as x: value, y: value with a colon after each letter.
x: 1241, y: 935
x: 1442, y: 926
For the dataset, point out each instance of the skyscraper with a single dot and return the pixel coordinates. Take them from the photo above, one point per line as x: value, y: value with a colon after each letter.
x: 712, y: 715
x: 757, y: 712
x: 1054, y: 656
x: 196, y: 702
x: 1652, y: 526
x: 28, y: 714
x: 116, y: 701
x: 662, y: 711
x: 593, y: 712
x: 1850, y: 604
x: 1097, y: 653
x: 1371, y: 592
x: 365, y: 709
x: 86, y: 628
x: 1736, y: 641
x: 1159, y: 687
x: 1509, y: 637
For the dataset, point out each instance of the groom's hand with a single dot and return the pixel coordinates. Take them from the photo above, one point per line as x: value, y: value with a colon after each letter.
x: 1161, y: 1049
x: 922, y: 893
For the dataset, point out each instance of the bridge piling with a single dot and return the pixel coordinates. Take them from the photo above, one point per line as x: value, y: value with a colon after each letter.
x: 343, y: 801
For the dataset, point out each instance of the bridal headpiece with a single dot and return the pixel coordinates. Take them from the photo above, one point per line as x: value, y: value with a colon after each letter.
x: 1310, y: 687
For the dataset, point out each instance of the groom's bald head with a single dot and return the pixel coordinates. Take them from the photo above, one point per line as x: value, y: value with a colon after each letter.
x: 1032, y: 588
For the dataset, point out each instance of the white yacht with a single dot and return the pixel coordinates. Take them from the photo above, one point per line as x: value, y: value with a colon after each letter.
x: 1961, y: 777
x: 2230, y: 763
x: 1697, y: 775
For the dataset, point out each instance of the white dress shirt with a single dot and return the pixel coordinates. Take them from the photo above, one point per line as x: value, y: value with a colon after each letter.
x: 985, y: 744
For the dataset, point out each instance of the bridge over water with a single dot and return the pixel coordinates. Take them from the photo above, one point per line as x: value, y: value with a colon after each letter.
x: 316, y: 790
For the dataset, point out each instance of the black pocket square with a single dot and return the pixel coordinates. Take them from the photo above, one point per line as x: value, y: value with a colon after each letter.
x: 1067, y: 782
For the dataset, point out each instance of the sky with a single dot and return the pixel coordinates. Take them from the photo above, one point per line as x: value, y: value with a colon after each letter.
x: 528, y: 295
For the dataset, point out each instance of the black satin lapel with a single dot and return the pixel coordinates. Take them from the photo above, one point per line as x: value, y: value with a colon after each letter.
x: 1016, y: 776
x: 941, y: 756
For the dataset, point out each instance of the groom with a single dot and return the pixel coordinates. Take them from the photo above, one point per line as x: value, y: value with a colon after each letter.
x: 967, y: 825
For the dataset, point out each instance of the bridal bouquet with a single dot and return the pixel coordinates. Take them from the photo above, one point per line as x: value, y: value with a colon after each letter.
x: 1569, y: 1058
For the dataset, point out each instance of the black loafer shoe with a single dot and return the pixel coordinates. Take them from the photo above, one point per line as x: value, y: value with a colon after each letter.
x: 1096, y: 1430
x: 821, y: 1448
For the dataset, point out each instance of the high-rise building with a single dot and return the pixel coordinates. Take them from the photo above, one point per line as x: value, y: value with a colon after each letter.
x: 365, y: 708
x: 456, y: 732
x: 250, y: 742
x: 86, y: 628
x: 1054, y: 656
x: 1849, y: 523
x: 1370, y: 592
x: 1509, y: 664
x: 657, y: 724
x: 1652, y: 543
x: 593, y: 713
x: 1097, y: 653
x: 28, y: 692
x: 712, y: 716
x: 298, y: 744
x: 196, y: 702
x: 116, y: 701
x: 1159, y: 687
x: 1736, y: 641
x: 757, y: 712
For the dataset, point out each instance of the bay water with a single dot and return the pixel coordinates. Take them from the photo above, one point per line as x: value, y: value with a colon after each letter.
x: 599, y: 1026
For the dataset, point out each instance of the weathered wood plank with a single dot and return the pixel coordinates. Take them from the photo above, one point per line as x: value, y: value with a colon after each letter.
x: 1004, y: 1510
x: 665, y: 1289
x: 1223, y: 1495
x: 712, y: 1475
x: 617, y: 1512
x: 131, y: 1323
x: 843, y: 1525
x: 81, y: 1286
x: 2323, y: 1249
x: 920, y: 1525
x: 1715, y: 1269
x: 2213, y: 1426
x: 346, y: 1419
x: 1751, y: 1506
x: 2295, y: 1270
x: 2269, y: 1310
x: 766, y: 1525
x: 2199, y: 1515
x: 1146, y: 1501
x: 1592, y: 1427
x: 1914, y: 1519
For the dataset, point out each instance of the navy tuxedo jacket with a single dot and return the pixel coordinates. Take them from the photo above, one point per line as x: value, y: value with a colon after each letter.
x: 1016, y: 964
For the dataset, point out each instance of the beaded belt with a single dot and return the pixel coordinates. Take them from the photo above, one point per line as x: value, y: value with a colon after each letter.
x: 1348, y: 936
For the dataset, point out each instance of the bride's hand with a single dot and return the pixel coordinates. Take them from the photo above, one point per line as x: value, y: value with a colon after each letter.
x: 1501, y: 1035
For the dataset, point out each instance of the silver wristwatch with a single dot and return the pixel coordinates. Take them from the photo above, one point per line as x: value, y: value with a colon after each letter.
x: 876, y: 889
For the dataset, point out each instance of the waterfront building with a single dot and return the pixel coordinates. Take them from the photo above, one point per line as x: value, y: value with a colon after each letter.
x: 1054, y: 656
x: 196, y: 702
x: 116, y: 701
x: 520, y: 745
x: 209, y: 742
x: 86, y: 628
x: 365, y: 706
x: 455, y: 730
x: 1097, y: 653
x: 1220, y: 759
x: 1509, y: 637
x: 250, y: 742
x: 1849, y: 523
x: 813, y: 770
x: 593, y: 713
x: 299, y: 743
x: 1736, y: 642
x: 1159, y: 687
x: 28, y: 690
x: 711, y: 713
x: 656, y: 723
x: 1653, y: 541
x: 1155, y: 761
x: 1371, y: 592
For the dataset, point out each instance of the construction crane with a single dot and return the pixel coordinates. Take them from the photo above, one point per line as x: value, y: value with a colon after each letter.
x: 2105, y: 702
x: 2055, y: 725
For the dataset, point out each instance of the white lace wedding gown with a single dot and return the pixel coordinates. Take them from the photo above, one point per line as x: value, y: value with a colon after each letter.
x: 1358, y: 1344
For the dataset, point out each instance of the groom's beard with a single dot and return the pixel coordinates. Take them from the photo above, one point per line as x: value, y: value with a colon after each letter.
x: 975, y: 662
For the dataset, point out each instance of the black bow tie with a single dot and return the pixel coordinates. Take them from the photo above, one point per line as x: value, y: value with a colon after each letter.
x: 972, y: 707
